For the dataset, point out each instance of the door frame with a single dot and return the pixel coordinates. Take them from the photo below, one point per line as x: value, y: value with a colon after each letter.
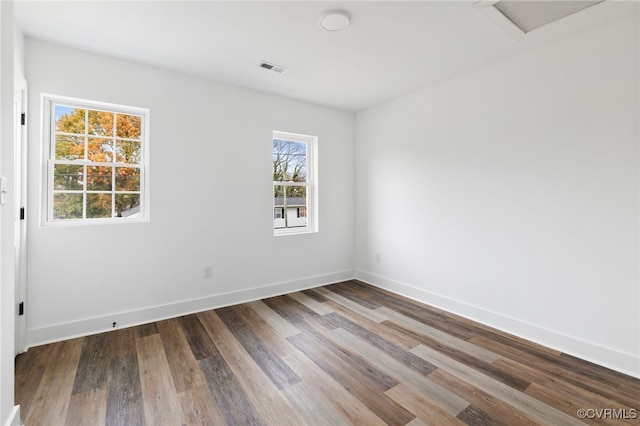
x: 20, y: 216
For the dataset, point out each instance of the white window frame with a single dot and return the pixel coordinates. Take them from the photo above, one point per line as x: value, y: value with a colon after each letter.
x: 311, y: 183
x: 48, y: 103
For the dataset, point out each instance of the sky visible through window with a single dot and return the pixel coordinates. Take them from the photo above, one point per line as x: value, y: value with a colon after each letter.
x: 62, y: 110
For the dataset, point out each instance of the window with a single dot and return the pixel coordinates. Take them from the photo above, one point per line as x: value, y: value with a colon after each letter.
x: 96, y: 169
x: 294, y: 184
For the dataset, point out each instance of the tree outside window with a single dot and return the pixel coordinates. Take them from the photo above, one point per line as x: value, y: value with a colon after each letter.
x: 96, y: 166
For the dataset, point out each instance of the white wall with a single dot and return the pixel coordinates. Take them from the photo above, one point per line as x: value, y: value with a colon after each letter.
x: 511, y: 195
x: 210, y: 165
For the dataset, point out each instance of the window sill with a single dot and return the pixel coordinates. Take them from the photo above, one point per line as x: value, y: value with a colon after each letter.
x: 293, y: 231
x: 90, y: 222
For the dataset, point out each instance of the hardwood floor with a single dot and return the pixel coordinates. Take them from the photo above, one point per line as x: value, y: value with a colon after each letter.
x: 346, y: 353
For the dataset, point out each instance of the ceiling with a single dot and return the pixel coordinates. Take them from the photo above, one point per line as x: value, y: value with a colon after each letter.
x: 391, y: 48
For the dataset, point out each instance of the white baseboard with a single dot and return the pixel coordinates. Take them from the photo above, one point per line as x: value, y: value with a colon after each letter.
x: 14, y: 417
x: 88, y: 326
x: 625, y: 363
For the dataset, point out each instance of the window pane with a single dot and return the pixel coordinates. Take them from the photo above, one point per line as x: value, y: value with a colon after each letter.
x: 67, y: 206
x: 289, y: 206
x: 99, y: 178
x: 278, y: 207
x: 127, y: 205
x: 69, y: 148
x: 98, y: 205
x: 128, y: 152
x: 100, y: 123
x: 127, y: 179
x: 100, y: 150
x: 297, y: 196
x: 67, y: 177
x: 289, y: 161
x: 69, y: 119
x: 128, y: 126
x: 278, y: 192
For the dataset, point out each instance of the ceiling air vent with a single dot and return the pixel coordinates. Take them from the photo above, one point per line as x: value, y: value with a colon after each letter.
x: 273, y: 67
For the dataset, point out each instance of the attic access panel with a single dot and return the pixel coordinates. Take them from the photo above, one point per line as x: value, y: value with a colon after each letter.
x: 529, y: 15
x: 518, y: 17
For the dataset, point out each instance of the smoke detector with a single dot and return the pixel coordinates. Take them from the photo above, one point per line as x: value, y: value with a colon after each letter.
x: 335, y: 20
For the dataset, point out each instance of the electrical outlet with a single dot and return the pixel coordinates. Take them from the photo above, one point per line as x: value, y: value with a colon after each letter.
x: 208, y: 271
x: 378, y: 258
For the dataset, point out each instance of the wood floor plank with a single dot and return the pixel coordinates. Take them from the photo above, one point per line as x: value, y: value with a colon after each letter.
x: 338, y: 359
x: 550, y: 367
x: 455, y: 325
x: 29, y: 370
x: 315, y: 306
x: 473, y: 415
x: 199, y: 341
x: 412, y: 361
x: 26, y: 385
x: 446, y: 400
x: 446, y: 323
x: 145, y: 330
x: 200, y: 408
x: 542, y: 412
x: 34, y: 357
x: 494, y: 408
x: 341, y: 401
x: 560, y: 401
x: 281, y: 325
x: 311, y: 409
x: 161, y: 405
x: 349, y: 290
x: 416, y: 422
x: 400, y: 339
x: 363, y: 381
x: 490, y: 369
x: 315, y: 295
x: 94, y: 363
x: 57, y: 381
x: 371, y: 314
x: 426, y: 410
x: 88, y: 408
x: 258, y: 386
x: 267, y: 333
x: 184, y: 368
x: 125, y: 405
x: 235, y: 318
x: 419, y: 329
x: 228, y: 393
x: 122, y: 342
x: 303, y: 318
x: 612, y: 378
x: 570, y: 392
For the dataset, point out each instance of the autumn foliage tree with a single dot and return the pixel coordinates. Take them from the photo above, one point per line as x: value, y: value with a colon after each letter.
x: 97, y: 154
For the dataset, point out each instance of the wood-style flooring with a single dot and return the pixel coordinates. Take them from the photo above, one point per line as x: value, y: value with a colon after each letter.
x: 344, y: 354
